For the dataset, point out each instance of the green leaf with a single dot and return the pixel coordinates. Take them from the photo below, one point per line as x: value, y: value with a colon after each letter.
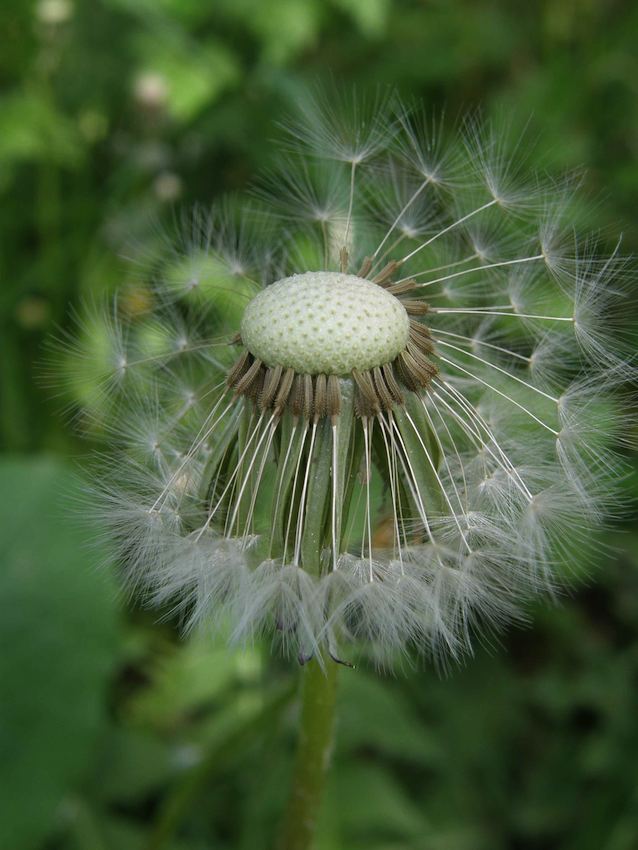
x: 57, y: 630
x: 132, y: 765
x: 196, y: 73
x: 192, y: 678
x: 375, y: 715
x: 283, y: 27
x: 369, y: 15
x: 31, y: 129
x: 371, y: 805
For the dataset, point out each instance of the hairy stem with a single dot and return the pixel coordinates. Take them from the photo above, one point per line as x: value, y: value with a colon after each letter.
x: 312, y: 760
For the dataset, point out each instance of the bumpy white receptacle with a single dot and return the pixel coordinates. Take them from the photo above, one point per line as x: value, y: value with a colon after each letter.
x: 325, y: 322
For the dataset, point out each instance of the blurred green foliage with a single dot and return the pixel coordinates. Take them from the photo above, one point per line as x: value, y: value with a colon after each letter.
x: 59, y: 636
x: 115, y: 734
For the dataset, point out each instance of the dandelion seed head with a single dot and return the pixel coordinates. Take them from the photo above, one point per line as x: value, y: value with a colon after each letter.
x: 372, y: 408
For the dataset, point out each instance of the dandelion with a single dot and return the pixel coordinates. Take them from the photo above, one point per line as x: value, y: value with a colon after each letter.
x: 374, y: 407
x: 371, y: 406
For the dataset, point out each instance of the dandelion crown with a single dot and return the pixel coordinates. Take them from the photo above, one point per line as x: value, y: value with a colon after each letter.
x: 373, y: 404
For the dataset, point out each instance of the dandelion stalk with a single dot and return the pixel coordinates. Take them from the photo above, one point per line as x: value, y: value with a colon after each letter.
x: 312, y: 760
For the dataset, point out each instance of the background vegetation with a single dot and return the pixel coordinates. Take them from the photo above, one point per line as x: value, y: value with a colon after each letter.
x: 114, y: 733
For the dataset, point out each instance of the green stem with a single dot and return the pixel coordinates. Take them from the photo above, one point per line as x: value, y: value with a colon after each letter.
x: 312, y: 760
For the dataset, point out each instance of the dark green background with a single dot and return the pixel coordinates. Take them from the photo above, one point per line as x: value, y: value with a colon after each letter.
x: 116, y: 735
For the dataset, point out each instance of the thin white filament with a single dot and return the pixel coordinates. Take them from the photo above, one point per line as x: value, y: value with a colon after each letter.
x: 474, y: 341
x: 452, y: 442
x: 447, y: 229
x: 333, y: 517
x: 399, y: 217
x: 396, y: 507
x: 482, y: 446
x: 499, y: 369
x: 504, y: 395
x: 445, y: 460
x: 231, y: 481
x: 503, y: 461
x: 439, y: 482
x: 475, y: 269
x: 257, y: 483
x: 367, y: 521
x: 302, y: 500
x: 281, y: 483
x: 302, y: 443
x: 198, y: 443
x: 251, y: 464
x: 481, y: 424
x: 176, y: 353
x: 350, y: 204
x: 479, y: 312
x: 410, y: 475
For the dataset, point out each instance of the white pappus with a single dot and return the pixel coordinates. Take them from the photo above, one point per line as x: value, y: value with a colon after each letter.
x: 377, y: 403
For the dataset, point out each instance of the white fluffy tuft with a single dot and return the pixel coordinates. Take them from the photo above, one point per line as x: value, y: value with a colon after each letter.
x: 448, y: 512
